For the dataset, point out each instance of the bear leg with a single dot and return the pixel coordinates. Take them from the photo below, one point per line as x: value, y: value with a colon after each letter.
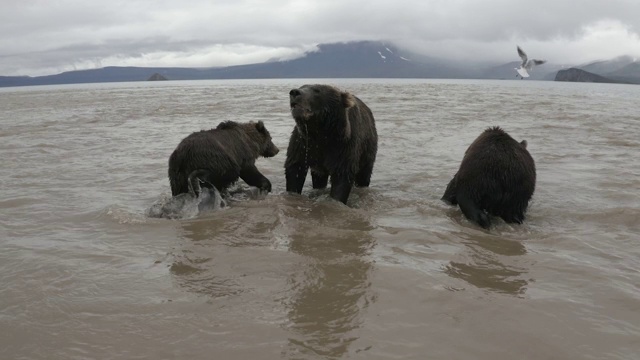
x: 449, y: 196
x: 195, y: 178
x: 363, y: 177
x: 340, y: 188
x: 295, y: 175
x: 511, y: 208
x: 253, y: 177
x: 319, y: 180
x: 367, y: 159
x: 513, y: 219
x: 513, y: 215
x: 179, y: 184
x: 472, y: 212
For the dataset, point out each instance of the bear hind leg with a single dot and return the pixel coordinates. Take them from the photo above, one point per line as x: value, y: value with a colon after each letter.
x: 513, y: 218
x: 473, y: 212
x: 179, y: 184
x: 449, y: 195
x: 513, y: 215
x: 194, y: 180
x: 340, y: 188
x: 363, y: 177
x: 511, y: 208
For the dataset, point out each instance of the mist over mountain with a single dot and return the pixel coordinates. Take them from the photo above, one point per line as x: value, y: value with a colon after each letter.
x: 361, y: 59
x: 629, y: 73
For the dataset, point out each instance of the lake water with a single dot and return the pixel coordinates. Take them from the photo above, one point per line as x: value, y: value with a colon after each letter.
x: 396, y: 274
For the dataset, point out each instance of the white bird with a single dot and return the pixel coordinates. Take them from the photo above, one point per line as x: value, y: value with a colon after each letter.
x: 527, y: 64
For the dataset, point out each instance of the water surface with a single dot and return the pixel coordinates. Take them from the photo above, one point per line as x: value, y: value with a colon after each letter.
x: 396, y: 274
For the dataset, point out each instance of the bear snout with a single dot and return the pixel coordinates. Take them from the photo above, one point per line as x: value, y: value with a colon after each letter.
x: 271, y: 151
x: 299, y: 105
x: 293, y: 97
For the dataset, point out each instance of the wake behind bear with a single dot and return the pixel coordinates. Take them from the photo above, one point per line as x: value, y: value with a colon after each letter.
x: 497, y: 177
x: 334, y: 136
x: 215, y: 159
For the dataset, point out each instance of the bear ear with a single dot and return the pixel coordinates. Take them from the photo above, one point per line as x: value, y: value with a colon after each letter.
x: 523, y: 143
x: 260, y: 127
x: 227, y: 125
x: 347, y: 100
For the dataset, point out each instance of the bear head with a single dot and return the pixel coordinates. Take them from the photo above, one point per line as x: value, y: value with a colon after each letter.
x: 321, y: 106
x: 257, y: 134
x: 267, y: 147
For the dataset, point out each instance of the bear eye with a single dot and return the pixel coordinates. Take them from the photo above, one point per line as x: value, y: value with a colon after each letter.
x: 316, y: 91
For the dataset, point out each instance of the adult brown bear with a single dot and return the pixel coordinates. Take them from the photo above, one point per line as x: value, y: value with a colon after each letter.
x: 335, y: 135
x: 497, y: 177
x: 218, y: 157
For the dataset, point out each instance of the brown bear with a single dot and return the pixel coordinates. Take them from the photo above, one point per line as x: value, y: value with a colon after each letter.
x: 497, y: 177
x: 218, y: 157
x: 335, y: 135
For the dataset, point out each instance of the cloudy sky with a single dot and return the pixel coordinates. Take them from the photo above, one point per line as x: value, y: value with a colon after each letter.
x: 39, y: 37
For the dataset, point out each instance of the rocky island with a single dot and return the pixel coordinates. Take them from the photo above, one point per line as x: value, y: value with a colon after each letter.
x: 157, y: 77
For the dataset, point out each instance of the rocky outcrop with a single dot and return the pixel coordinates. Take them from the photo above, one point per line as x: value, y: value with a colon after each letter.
x: 157, y: 77
x: 579, y: 75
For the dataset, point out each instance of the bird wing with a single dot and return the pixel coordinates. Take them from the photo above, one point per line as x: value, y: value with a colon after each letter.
x: 531, y: 63
x: 523, y: 55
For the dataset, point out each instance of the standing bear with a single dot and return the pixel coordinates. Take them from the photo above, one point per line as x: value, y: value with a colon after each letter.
x: 335, y: 136
x: 497, y: 177
x: 218, y: 157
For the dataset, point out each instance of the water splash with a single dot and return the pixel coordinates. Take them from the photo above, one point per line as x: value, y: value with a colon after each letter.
x: 186, y: 206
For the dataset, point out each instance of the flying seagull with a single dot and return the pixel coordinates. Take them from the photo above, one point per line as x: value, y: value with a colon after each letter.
x: 527, y: 64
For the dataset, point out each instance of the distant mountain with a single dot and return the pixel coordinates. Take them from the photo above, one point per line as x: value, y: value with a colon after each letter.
x: 622, y: 69
x: 607, y: 66
x: 629, y: 73
x: 360, y: 59
x: 107, y: 74
x: 363, y: 59
x: 14, y: 80
x: 579, y: 75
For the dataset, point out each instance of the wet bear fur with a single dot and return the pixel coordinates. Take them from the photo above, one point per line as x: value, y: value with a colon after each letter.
x: 334, y: 136
x: 497, y: 177
x: 218, y: 157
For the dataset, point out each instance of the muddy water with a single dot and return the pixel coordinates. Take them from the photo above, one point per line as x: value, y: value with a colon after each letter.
x: 396, y: 274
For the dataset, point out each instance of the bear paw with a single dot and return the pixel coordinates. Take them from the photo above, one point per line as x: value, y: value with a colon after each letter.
x: 265, y: 185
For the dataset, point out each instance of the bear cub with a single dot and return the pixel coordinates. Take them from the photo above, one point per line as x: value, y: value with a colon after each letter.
x: 334, y: 136
x: 218, y: 157
x: 497, y: 177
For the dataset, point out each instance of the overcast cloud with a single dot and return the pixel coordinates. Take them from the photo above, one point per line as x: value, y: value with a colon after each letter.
x: 41, y: 37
